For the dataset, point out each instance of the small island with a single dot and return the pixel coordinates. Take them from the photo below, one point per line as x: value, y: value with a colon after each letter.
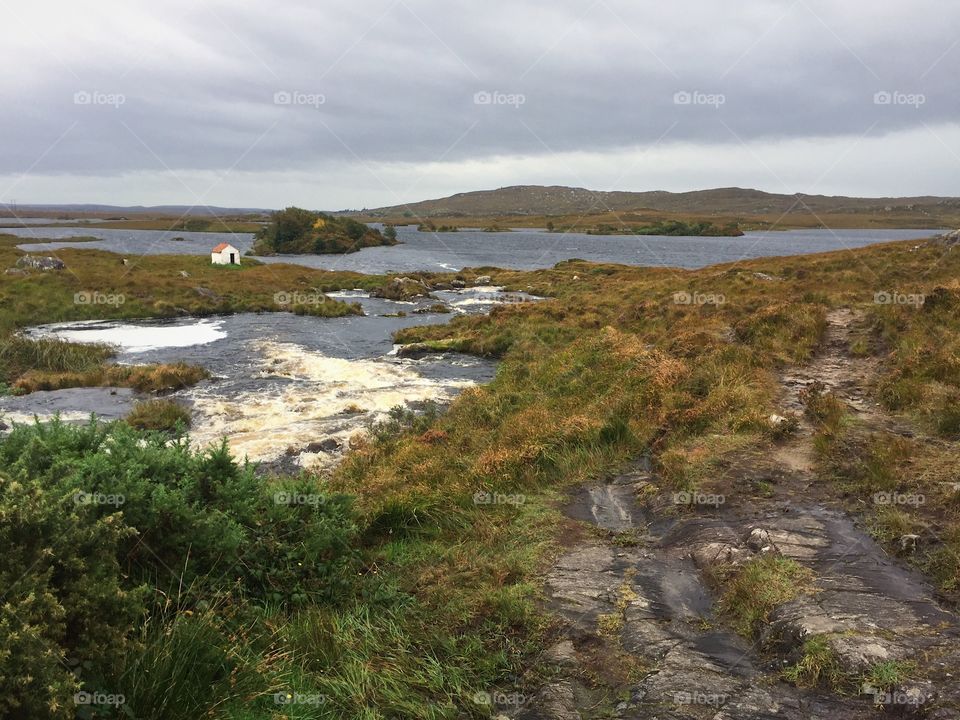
x: 295, y: 231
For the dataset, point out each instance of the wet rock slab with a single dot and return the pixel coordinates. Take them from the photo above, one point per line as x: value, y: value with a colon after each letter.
x: 73, y: 404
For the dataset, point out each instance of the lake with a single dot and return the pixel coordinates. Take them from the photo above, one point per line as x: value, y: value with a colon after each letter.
x: 521, y: 249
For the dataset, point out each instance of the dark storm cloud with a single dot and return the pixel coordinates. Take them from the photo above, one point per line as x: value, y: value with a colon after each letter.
x: 108, y: 88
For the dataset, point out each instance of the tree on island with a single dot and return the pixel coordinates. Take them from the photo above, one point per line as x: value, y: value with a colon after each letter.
x: 294, y: 230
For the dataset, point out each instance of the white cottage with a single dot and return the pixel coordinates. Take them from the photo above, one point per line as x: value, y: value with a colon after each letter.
x: 225, y: 254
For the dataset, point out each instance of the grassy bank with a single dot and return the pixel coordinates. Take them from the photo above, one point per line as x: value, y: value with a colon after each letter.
x: 449, y: 517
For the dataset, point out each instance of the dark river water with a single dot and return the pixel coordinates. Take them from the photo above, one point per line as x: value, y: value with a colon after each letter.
x: 279, y: 380
x: 521, y: 249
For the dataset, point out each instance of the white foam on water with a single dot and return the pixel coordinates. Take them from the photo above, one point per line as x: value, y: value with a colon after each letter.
x: 262, y: 424
x: 139, y: 338
x: 27, y: 418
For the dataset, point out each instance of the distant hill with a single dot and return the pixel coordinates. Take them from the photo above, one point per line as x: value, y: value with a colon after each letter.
x: 95, y: 209
x: 519, y: 200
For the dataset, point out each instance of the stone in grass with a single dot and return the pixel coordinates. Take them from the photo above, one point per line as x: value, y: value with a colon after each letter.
x: 35, y: 262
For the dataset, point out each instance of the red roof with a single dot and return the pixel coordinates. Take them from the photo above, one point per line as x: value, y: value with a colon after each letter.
x: 221, y: 247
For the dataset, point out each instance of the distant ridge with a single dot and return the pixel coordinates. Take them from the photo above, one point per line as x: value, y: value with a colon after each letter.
x: 560, y: 200
x: 24, y: 210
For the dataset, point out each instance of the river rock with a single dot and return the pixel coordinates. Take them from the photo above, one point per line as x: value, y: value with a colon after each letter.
x: 402, y: 288
x: 328, y: 445
x: 483, y: 280
x: 35, y: 262
x: 416, y: 351
x: 758, y: 539
x: 458, y: 284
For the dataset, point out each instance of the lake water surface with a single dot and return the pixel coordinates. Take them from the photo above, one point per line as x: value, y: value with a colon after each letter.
x: 521, y: 249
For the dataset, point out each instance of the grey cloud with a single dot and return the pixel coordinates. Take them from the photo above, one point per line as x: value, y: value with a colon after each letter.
x: 398, y: 79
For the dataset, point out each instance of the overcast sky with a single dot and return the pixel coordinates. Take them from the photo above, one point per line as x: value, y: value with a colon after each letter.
x: 364, y: 103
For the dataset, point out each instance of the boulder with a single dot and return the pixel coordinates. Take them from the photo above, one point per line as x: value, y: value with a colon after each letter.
x: 16, y: 271
x: 402, y: 288
x: 458, y: 284
x: 483, y: 280
x: 35, y: 262
x: 326, y: 446
x: 759, y: 539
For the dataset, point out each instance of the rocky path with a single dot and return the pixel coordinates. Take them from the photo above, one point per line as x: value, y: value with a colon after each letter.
x: 640, y: 637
